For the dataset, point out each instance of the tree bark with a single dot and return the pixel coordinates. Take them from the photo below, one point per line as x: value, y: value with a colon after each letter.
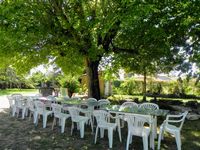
x: 93, y: 78
x: 144, y: 86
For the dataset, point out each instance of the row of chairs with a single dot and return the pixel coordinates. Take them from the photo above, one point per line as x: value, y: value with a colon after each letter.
x: 134, y: 121
x: 137, y: 122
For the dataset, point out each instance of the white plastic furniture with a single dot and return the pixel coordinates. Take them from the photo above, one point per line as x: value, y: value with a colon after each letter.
x: 41, y: 110
x: 103, y: 102
x: 102, y: 118
x: 91, y: 103
x: 151, y: 107
x: 169, y: 126
x: 31, y: 107
x: 21, y: 105
x: 57, y: 111
x: 51, y: 98
x: 136, y: 128
x: 130, y: 105
x: 12, y: 104
x: 17, y: 95
x: 76, y: 118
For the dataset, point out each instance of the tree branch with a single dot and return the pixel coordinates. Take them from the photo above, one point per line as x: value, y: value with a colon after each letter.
x: 120, y: 50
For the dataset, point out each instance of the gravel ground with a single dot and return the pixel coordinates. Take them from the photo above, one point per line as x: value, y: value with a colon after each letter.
x: 18, y: 134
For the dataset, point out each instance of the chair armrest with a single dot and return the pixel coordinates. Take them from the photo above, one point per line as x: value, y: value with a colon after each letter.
x: 175, y: 121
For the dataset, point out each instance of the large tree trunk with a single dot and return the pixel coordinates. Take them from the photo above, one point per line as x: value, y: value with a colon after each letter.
x: 144, y: 86
x: 93, y: 78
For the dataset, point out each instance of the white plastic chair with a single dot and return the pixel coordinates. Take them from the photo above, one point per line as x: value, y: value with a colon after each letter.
x: 41, y: 110
x: 103, y: 102
x: 51, y: 98
x: 12, y: 104
x: 131, y: 105
x: 91, y: 103
x: 21, y: 105
x: 168, y: 125
x: 76, y: 118
x: 151, y: 107
x: 102, y: 118
x: 57, y: 110
x: 136, y: 128
x: 31, y: 107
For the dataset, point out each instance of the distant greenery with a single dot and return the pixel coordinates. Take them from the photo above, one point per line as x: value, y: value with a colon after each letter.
x: 180, y: 87
x: 22, y: 91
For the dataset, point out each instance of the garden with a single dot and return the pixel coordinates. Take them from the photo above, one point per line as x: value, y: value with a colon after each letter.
x: 122, y: 51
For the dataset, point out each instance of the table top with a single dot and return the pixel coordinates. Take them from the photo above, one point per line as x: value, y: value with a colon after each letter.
x: 116, y: 108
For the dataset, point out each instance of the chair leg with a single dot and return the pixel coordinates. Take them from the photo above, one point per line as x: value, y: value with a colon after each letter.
x: 72, y: 127
x: 35, y: 119
x: 13, y: 111
x: 110, y: 137
x: 82, y: 128
x: 95, y: 140
x: 119, y: 128
x: 18, y: 112
x: 145, y: 142
x: 23, y: 113
x: 54, y: 120
x: 160, y: 137
x: 178, y: 140
x: 62, y: 125
x: 30, y: 115
x: 155, y: 127
x: 101, y: 132
x: 44, y: 121
x: 131, y: 139
x: 128, y: 141
x: 91, y: 123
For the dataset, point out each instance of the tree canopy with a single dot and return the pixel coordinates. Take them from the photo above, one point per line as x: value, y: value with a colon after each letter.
x: 78, y: 33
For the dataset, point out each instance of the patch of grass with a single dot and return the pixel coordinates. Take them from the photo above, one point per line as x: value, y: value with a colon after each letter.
x: 21, y: 91
x: 116, y: 98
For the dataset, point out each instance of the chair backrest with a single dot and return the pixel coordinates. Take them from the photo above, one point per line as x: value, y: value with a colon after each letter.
x: 74, y: 112
x: 17, y: 96
x: 19, y: 101
x: 36, y: 96
x: 129, y: 105
x: 75, y: 98
x: 136, y: 122
x: 101, y: 116
x: 40, y: 106
x: 177, y: 119
x: 103, y: 102
x: 30, y: 103
x: 91, y: 103
x: 11, y: 100
x: 57, y: 108
x: 51, y: 98
x: 150, y: 106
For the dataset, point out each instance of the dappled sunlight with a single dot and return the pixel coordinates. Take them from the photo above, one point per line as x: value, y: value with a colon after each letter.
x: 197, y: 143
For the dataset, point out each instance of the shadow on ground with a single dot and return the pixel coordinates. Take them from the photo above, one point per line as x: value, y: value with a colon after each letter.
x: 18, y: 134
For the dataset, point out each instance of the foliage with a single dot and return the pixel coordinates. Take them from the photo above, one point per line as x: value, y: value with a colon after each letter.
x: 148, y: 36
x: 132, y: 87
x: 71, y: 83
x: 9, y: 79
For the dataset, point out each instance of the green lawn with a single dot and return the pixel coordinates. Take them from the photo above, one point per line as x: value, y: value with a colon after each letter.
x: 22, y: 91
